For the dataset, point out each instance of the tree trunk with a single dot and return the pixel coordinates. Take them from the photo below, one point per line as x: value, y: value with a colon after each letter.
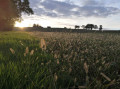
x: 4, y: 26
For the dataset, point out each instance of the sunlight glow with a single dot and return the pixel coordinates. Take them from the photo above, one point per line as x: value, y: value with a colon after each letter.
x: 22, y: 24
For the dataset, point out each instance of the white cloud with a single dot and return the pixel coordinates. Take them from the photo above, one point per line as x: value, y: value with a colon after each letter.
x: 60, y: 13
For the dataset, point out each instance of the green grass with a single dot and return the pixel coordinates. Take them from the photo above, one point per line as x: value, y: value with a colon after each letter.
x: 71, y: 61
x: 23, y: 72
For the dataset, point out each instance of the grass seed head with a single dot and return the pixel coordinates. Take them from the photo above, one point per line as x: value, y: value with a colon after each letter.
x: 58, y: 61
x: 24, y: 54
x: 86, y: 67
x: 12, y: 51
x: 32, y: 52
x: 55, y: 77
x: 42, y: 44
x: 27, y: 50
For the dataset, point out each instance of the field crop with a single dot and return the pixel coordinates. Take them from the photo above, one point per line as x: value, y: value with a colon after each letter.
x: 56, y: 60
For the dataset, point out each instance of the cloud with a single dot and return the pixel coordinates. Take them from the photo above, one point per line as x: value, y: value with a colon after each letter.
x: 63, y: 8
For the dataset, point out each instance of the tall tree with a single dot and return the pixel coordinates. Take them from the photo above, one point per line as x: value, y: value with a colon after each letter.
x: 11, y: 11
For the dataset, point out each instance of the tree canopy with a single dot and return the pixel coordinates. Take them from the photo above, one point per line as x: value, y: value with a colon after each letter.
x: 11, y: 11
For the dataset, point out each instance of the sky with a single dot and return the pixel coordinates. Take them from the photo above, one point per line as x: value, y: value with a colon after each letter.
x: 68, y: 13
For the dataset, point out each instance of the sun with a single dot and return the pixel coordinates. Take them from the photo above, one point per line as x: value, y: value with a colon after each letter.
x: 21, y: 24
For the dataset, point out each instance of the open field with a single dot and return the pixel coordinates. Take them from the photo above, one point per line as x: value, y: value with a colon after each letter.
x: 57, y: 60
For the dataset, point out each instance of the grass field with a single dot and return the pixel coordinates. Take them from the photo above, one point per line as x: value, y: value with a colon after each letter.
x: 52, y: 60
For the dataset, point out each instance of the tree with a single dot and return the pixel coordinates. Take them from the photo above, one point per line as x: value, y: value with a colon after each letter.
x: 100, y: 28
x: 83, y: 26
x: 89, y: 26
x: 11, y: 11
x: 76, y: 26
x: 95, y: 27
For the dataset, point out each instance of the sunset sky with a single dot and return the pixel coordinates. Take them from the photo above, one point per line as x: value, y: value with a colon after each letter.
x: 61, y: 13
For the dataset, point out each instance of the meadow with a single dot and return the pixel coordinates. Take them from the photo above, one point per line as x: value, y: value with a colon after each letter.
x: 59, y: 60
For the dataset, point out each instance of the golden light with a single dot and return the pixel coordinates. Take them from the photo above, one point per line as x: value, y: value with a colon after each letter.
x: 22, y: 24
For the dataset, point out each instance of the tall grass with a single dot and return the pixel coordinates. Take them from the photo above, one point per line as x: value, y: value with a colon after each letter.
x: 23, y: 64
x: 59, y: 60
x: 86, y: 60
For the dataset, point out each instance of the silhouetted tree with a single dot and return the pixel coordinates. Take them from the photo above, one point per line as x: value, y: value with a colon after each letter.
x: 34, y: 25
x: 76, y: 26
x: 37, y: 26
x: 49, y: 27
x: 89, y: 26
x: 83, y: 26
x: 100, y: 28
x: 11, y: 11
x: 95, y: 27
x: 65, y: 27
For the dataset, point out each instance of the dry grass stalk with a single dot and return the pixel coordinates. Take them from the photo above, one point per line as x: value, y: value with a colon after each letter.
x: 42, y: 44
x: 86, y: 67
x: 81, y: 87
x: 111, y: 83
x: 106, y: 77
x: 55, y: 77
x: 12, y: 51
x: 75, y: 80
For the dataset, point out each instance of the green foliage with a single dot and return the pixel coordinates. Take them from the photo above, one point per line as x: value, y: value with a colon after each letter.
x: 11, y: 11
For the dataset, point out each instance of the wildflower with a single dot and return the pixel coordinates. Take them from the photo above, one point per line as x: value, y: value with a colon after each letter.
x: 12, y: 51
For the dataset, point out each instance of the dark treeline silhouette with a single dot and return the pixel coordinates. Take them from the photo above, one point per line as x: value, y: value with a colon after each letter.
x: 11, y: 10
x: 77, y: 27
x: 89, y: 27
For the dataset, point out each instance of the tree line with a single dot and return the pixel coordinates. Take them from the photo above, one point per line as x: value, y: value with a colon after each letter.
x: 89, y: 27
